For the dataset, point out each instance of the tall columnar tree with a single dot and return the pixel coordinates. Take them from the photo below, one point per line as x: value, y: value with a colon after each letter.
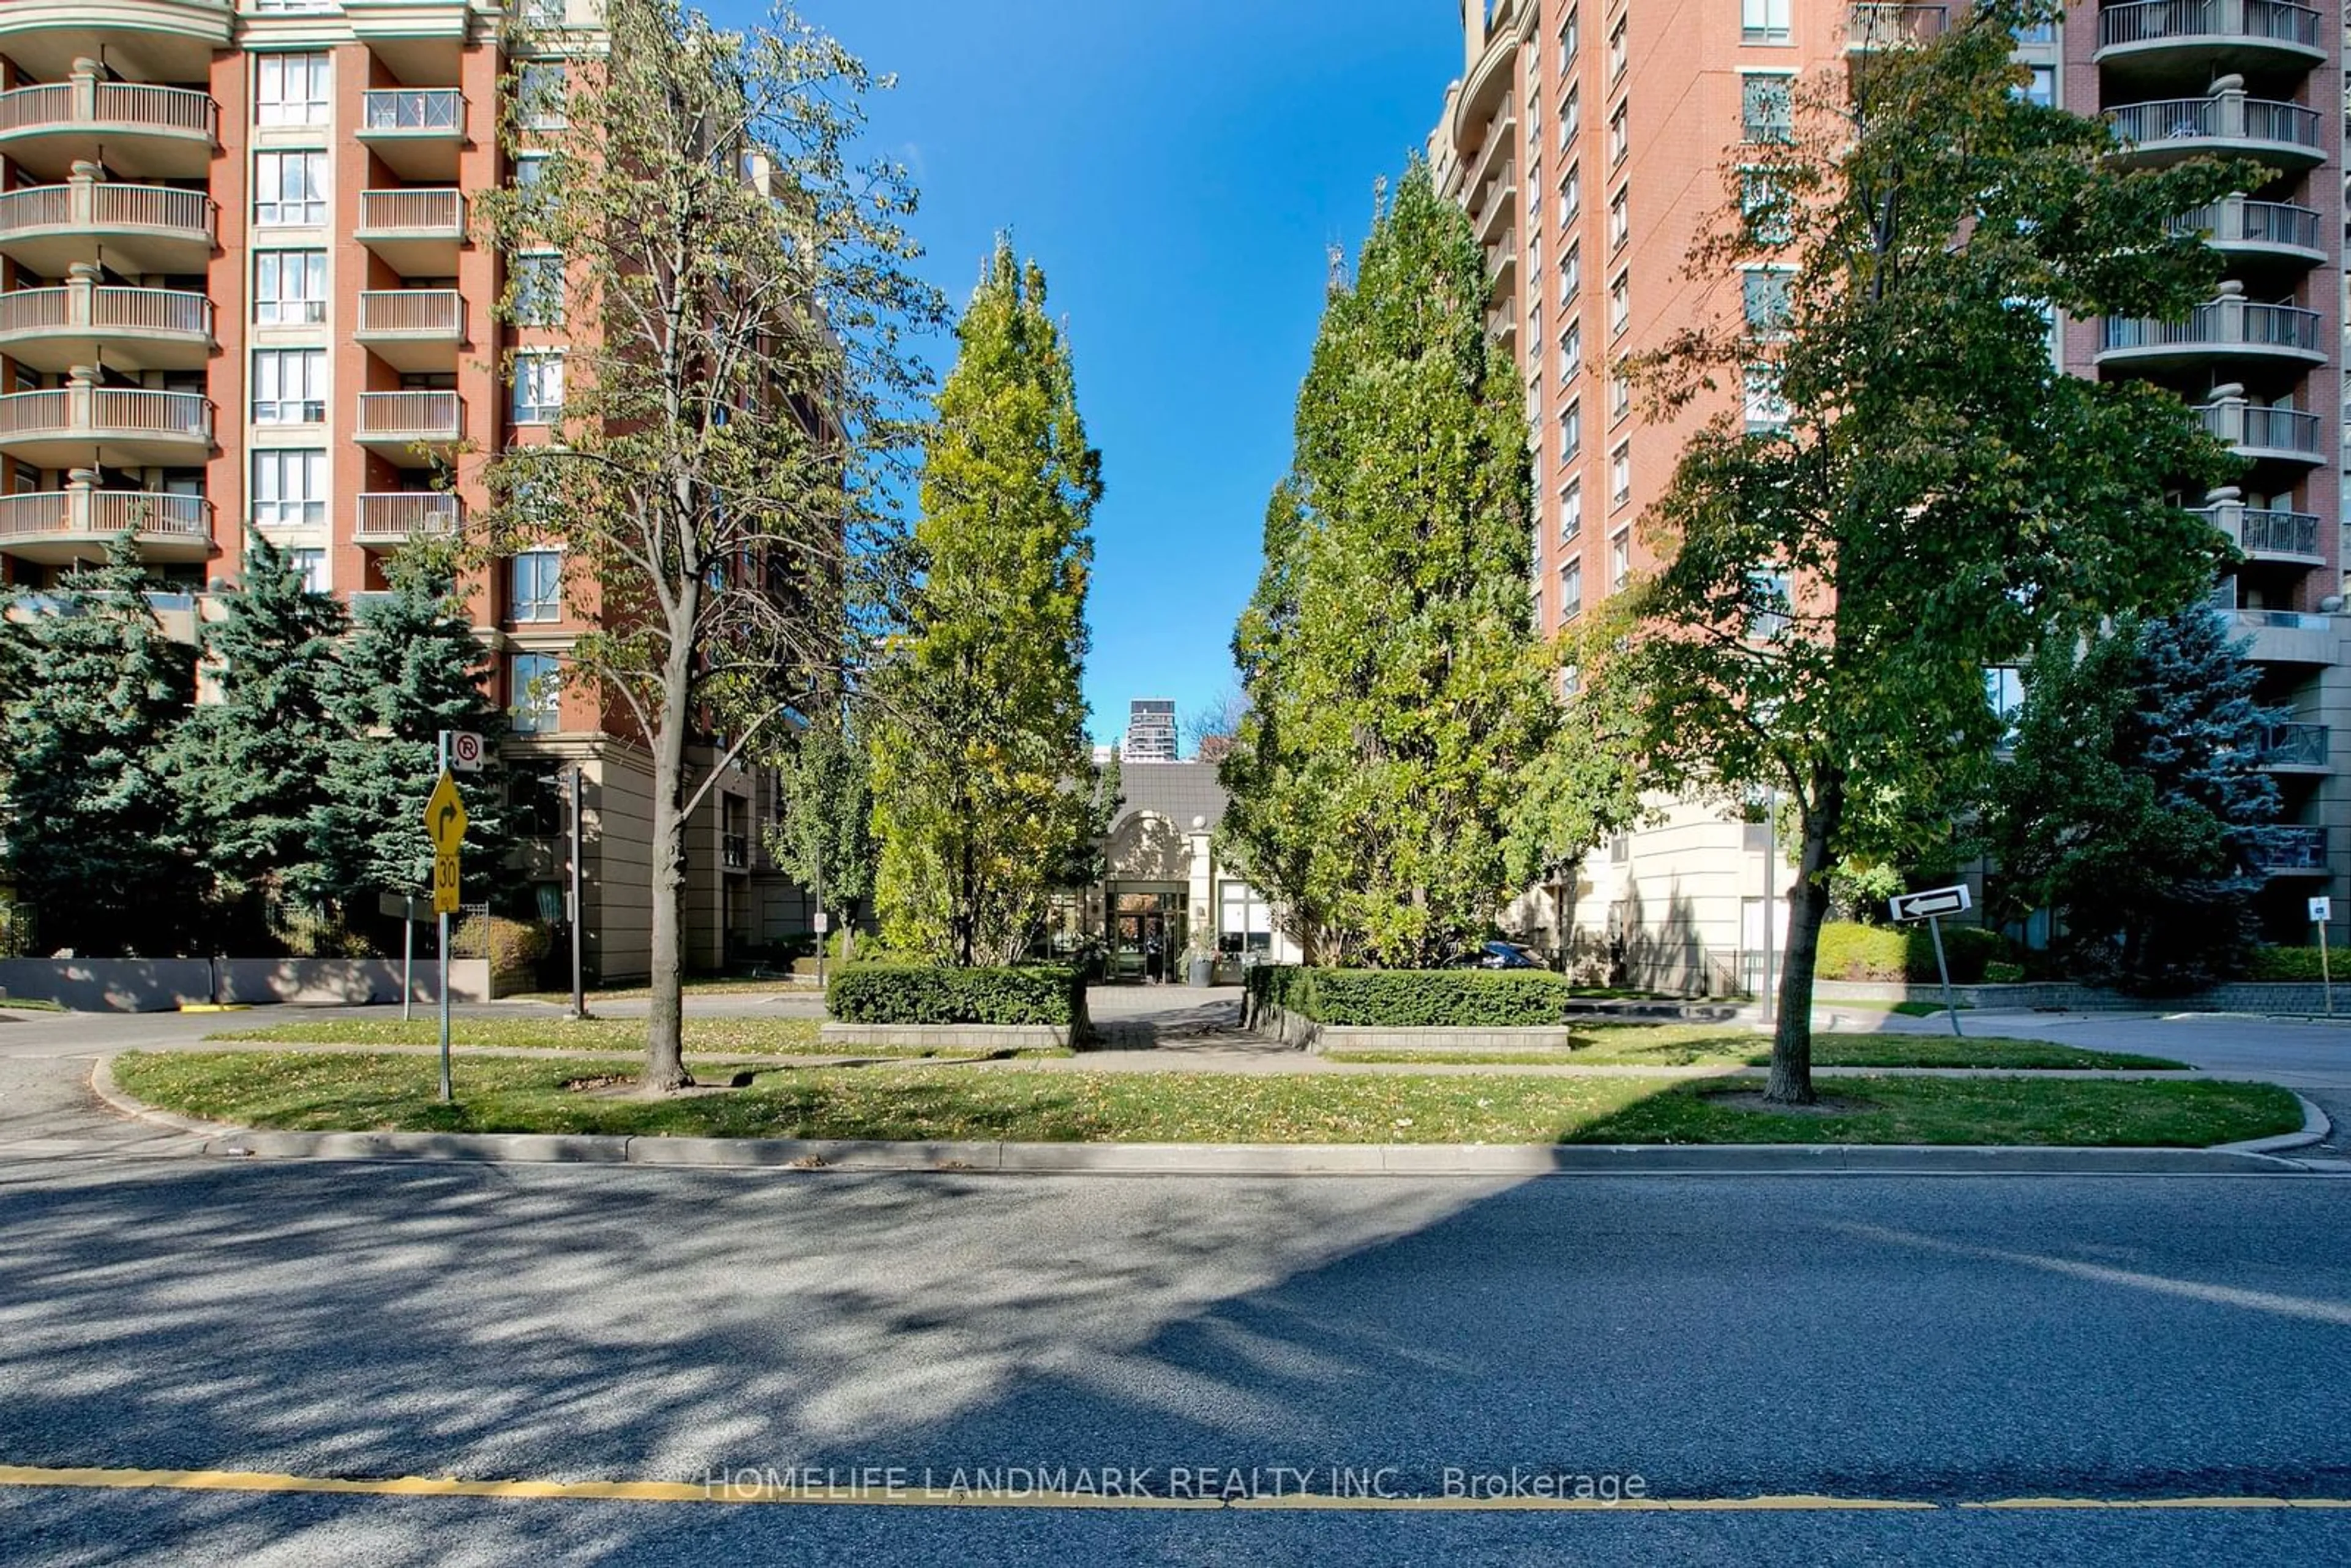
x: 823, y: 838
x: 733, y: 289
x: 2135, y: 805
x: 1396, y: 694
x: 411, y: 669
x: 983, y: 775
x: 1941, y: 497
x: 91, y: 820
x: 250, y: 768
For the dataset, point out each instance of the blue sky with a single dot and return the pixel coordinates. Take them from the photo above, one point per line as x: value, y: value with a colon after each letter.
x: 1181, y: 168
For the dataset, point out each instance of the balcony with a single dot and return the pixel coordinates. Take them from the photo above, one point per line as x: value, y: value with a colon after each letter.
x: 54, y: 330
x: 2258, y: 231
x: 1502, y: 272
x: 2204, y: 38
x: 114, y: 427
x: 155, y: 40
x: 417, y: 131
x: 2229, y: 328
x: 2286, y: 637
x: 1487, y: 83
x: 1501, y: 146
x: 390, y: 519
x: 414, y: 429
x: 2262, y: 432
x: 2264, y: 535
x: 56, y: 526
x: 2227, y: 124
x: 1498, y: 207
x: 2295, y: 748
x: 417, y: 232
x: 1870, y: 28
x: 139, y: 228
x: 141, y: 131
x: 413, y: 328
x: 2290, y: 851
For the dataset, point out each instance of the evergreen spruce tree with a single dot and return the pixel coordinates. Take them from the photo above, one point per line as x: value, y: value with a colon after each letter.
x: 982, y: 778
x: 1398, y: 696
x: 250, y: 768
x: 90, y: 817
x: 411, y: 669
x: 2134, y: 806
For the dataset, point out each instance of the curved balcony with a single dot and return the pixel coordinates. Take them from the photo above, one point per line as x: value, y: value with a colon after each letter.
x: 141, y: 131
x: 2259, y: 231
x: 153, y: 41
x: 75, y: 524
x: 141, y: 228
x: 2226, y: 329
x: 2290, y: 851
x: 2264, y: 433
x: 2296, y: 749
x: 2266, y: 534
x: 2203, y: 38
x: 388, y: 520
x: 131, y: 329
x: 2228, y: 124
x: 113, y: 427
x: 1483, y: 90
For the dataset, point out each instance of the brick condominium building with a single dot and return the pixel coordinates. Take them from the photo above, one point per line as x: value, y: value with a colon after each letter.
x: 1587, y: 139
x: 238, y: 286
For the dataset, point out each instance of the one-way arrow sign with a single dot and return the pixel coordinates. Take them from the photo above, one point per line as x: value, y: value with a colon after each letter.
x: 1933, y: 901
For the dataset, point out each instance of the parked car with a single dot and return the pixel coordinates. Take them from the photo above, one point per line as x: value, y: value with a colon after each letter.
x: 1498, y: 955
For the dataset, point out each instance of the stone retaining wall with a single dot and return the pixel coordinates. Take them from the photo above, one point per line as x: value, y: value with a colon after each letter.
x: 1309, y: 1034
x: 946, y: 1036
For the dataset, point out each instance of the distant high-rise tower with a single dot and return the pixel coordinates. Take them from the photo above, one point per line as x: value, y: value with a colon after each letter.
x: 1150, y: 731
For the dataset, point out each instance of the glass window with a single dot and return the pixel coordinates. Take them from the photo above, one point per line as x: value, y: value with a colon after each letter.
x: 1571, y: 38
x: 538, y: 289
x: 1764, y: 292
x: 1570, y: 509
x: 1620, y: 219
x: 1768, y: 602
x: 537, y: 586
x: 309, y: 564
x: 1620, y: 474
x: 535, y: 693
x: 529, y: 169
x: 1570, y: 351
x: 1620, y: 392
x: 292, y: 90
x: 1571, y: 429
x: 1620, y: 133
x: 1570, y: 273
x: 1570, y: 591
x: 543, y: 12
x: 1620, y: 560
x: 1244, y: 920
x: 290, y: 288
x: 1767, y: 411
x: 289, y: 386
x: 1768, y: 218
x: 289, y: 487
x: 289, y: 189
x: 1618, y: 49
x: 543, y: 92
x: 2042, y: 87
x: 1571, y: 195
x: 538, y: 388
x: 1763, y: 21
x: 1620, y: 304
x: 1570, y: 116
x: 1767, y: 107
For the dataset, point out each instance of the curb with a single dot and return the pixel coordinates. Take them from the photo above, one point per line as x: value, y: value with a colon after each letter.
x: 2314, y: 1128
x: 1224, y: 1159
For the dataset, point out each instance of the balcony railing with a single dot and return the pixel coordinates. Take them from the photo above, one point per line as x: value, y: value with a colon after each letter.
x: 2294, y: 746
x: 408, y: 415
x: 1893, y: 26
x: 2227, y: 116
x: 90, y: 205
x: 2242, y: 423
x: 2262, y: 532
x: 128, y: 411
x: 395, y: 516
x: 423, y: 111
x: 102, y: 514
x: 2289, y: 848
x: 2222, y: 324
x: 2252, y: 223
x: 2149, y: 21
x: 129, y: 106
x: 413, y: 312
x: 430, y: 211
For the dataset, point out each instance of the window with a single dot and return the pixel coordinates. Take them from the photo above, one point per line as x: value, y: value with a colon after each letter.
x: 2037, y: 32
x: 1620, y: 392
x: 538, y: 388
x: 537, y: 584
x: 289, y: 189
x: 292, y: 90
x: 1571, y: 429
x: 1620, y: 560
x: 1767, y: 107
x: 1570, y: 116
x: 1534, y: 321
x: 1534, y: 195
x: 545, y: 94
x: 538, y: 289
x: 1764, y: 292
x: 289, y: 487
x: 1767, y: 601
x: 2042, y: 87
x: 1534, y: 118
x: 542, y: 13
x: 1570, y: 351
x: 1620, y: 304
x: 1620, y: 133
x: 289, y: 386
x: 292, y: 8
x: 1763, y: 21
x: 1571, y: 274
x: 529, y: 169
x: 1571, y: 195
x: 1570, y: 591
x: 1767, y: 411
x: 1620, y: 220
x: 1570, y: 509
x: 290, y: 288
x: 1244, y: 921
x: 534, y: 693
x: 1767, y: 216
x: 1620, y: 473
x: 1571, y: 38
x: 2004, y: 694
x: 1618, y: 46
x: 309, y: 565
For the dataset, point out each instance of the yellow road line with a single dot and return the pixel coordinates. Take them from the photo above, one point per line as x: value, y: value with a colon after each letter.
x: 721, y: 1492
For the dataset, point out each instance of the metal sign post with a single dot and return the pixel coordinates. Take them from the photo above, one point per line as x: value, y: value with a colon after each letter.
x: 2322, y: 910
x: 579, y: 991
x: 1931, y: 906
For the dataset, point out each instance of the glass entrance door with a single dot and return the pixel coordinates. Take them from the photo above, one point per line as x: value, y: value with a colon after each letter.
x: 1146, y: 933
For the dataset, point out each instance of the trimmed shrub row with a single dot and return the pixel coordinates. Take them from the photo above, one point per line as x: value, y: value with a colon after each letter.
x: 920, y: 994
x: 1411, y: 998
x: 1894, y: 954
x: 2291, y: 963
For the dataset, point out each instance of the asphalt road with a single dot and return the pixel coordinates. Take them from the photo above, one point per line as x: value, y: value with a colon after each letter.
x: 1943, y: 1342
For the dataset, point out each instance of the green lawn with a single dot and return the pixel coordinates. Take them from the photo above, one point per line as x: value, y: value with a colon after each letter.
x: 316, y: 1091
x: 704, y: 1036
x: 707, y: 985
x: 1710, y: 1045
x: 31, y: 1005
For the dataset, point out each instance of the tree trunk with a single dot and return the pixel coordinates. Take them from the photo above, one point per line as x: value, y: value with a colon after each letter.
x: 1790, y: 1083
x: 665, y: 1015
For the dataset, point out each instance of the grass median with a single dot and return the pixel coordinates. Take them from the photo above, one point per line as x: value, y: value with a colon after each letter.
x: 719, y: 1036
x: 1708, y: 1045
x: 318, y: 1092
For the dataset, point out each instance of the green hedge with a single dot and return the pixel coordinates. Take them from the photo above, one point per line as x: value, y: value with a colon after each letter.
x: 2290, y: 964
x: 904, y: 993
x: 1411, y: 999
x: 1891, y: 955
